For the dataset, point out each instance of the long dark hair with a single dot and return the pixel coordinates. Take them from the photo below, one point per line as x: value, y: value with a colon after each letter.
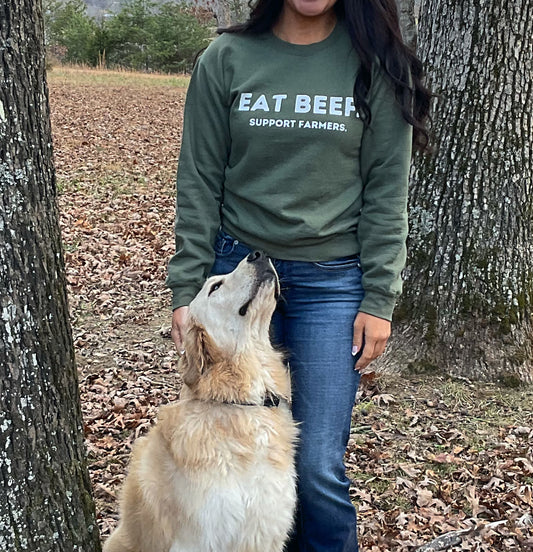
x: 374, y: 30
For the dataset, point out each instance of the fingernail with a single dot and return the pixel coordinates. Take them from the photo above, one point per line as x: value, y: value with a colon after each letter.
x: 355, y: 348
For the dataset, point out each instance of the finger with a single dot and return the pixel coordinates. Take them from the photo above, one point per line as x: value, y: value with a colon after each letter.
x: 176, y: 338
x: 383, y: 339
x: 380, y: 347
x: 368, y: 354
x: 179, y: 323
x: 358, y: 333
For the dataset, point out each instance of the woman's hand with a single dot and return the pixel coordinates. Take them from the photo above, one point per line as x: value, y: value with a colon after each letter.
x: 371, y: 333
x: 179, y: 327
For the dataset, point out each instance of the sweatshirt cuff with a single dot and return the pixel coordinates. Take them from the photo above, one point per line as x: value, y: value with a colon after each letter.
x: 378, y: 305
x: 182, y: 297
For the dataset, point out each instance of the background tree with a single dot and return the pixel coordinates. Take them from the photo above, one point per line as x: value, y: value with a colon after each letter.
x: 468, y: 297
x: 130, y: 33
x: 45, y: 497
x: 68, y: 25
x: 144, y: 35
x: 230, y: 12
x: 406, y: 9
x: 178, y: 37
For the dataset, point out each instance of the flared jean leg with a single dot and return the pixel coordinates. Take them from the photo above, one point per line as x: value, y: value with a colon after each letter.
x: 314, y: 323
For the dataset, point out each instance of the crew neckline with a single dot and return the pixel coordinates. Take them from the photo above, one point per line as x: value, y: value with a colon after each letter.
x: 306, y: 49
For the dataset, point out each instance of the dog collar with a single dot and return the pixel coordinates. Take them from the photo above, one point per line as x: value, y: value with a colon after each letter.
x: 270, y: 401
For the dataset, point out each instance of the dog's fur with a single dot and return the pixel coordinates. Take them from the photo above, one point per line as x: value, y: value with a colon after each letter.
x: 214, y: 475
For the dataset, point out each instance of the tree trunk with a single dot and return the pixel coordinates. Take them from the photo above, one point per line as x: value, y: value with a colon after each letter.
x: 406, y: 10
x: 45, y: 497
x: 230, y: 12
x: 468, y: 294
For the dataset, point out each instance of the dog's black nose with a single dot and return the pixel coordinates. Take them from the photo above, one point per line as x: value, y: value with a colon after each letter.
x: 255, y: 256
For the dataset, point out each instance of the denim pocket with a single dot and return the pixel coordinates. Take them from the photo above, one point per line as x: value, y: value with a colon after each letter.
x: 224, y: 244
x: 343, y: 263
x: 229, y: 252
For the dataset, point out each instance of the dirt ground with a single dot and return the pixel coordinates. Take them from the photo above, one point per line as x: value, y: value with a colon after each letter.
x: 427, y: 455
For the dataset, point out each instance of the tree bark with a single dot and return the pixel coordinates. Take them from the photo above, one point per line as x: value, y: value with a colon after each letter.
x: 45, y: 497
x: 230, y: 12
x: 468, y: 295
x: 406, y: 10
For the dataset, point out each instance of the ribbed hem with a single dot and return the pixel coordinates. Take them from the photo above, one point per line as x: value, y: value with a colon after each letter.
x: 378, y: 305
x: 315, y: 250
x: 182, y: 297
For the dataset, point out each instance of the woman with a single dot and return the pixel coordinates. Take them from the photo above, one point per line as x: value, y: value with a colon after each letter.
x: 297, y: 141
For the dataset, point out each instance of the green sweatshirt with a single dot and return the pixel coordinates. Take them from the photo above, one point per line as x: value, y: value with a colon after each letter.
x: 274, y: 151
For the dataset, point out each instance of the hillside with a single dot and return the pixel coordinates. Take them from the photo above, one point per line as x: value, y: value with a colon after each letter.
x: 97, y: 8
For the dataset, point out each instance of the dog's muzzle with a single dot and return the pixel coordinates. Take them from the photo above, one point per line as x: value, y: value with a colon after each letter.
x: 265, y: 269
x: 265, y: 272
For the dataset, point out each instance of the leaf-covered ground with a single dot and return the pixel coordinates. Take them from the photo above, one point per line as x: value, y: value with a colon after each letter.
x: 427, y: 455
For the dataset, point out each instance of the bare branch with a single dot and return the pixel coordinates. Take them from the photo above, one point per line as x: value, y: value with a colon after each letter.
x: 453, y: 538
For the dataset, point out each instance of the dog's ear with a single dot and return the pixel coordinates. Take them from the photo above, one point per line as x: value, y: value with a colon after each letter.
x: 199, y: 354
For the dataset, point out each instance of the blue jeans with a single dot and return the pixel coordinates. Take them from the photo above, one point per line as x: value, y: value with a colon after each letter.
x: 313, y: 322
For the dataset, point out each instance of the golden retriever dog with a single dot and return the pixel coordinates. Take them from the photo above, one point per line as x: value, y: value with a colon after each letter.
x: 216, y: 474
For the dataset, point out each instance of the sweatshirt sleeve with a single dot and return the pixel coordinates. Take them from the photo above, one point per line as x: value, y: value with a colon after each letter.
x: 382, y: 232
x: 202, y: 162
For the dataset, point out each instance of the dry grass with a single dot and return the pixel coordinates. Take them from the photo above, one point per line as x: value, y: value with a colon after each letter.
x: 88, y: 76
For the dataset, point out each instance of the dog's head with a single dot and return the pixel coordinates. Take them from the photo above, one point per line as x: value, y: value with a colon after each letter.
x: 235, y: 309
x: 229, y: 318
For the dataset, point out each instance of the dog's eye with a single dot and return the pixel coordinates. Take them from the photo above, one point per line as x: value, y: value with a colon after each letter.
x: 214, y: 287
